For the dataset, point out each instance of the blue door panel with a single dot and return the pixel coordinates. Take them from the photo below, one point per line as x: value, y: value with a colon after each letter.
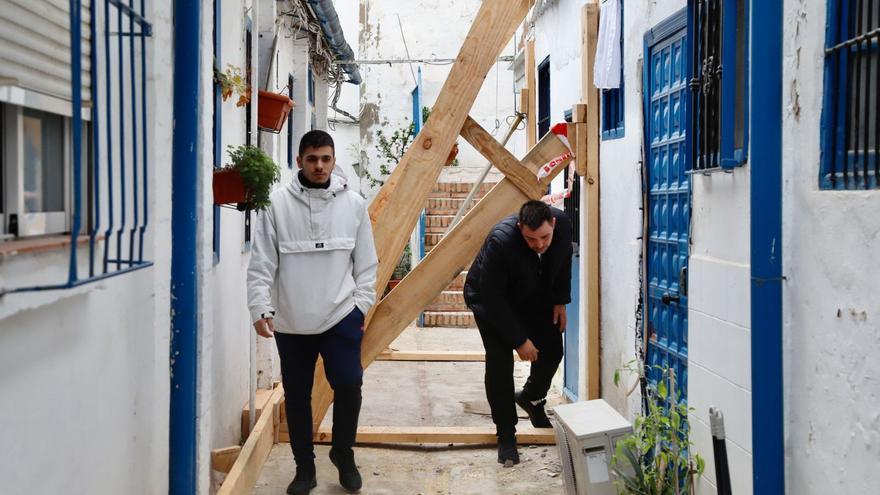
x: 669, y: 207
x: 571, y: 336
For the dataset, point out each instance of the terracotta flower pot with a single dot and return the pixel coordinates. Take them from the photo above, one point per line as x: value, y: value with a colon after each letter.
x: 228, y: 187
x: 272, y: 110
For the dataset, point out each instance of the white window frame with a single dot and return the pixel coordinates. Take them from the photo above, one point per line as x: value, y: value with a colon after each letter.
x: 13, y: 102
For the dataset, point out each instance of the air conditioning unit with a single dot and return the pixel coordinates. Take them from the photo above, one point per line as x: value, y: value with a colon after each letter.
x: 586, y: 434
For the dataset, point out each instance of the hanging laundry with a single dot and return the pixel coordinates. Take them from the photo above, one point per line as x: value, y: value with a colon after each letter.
x: 606, y: 70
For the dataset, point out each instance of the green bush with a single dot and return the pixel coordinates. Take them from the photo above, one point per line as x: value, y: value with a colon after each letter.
x: 656, y: 459
x: 258, y: 173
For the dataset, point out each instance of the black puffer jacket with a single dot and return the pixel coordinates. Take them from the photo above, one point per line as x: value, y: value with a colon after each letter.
x: 511, y: 288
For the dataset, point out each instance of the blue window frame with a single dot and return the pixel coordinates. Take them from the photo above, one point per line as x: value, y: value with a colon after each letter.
x: 613, y: 121
x: 312, y: 107
x: 290, y: 152
x: 218, y: 127
x: 544, y: 97
x: 719, y: 98
x: 850, y: 126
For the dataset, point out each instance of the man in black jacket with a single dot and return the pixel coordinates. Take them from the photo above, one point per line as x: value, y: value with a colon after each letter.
x: 517, y: 288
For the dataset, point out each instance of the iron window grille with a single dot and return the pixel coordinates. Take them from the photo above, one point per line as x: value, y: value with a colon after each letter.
x: 217, y: 131
x: 543, y: 97
x: 851, y: 130
x: 613, y: 118
x: 718, y: 68
x: 109, y: 161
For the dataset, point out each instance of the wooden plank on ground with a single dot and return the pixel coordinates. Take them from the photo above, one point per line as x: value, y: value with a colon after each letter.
x: 502, y: 159
x: 439, y: 434
x: 590, y: 199
x: 246, y: 470
x: 223, y: 459
x: 262, y: 397
x: 435, y: 356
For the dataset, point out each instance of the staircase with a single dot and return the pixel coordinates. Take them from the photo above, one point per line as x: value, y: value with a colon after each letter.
x: 448, y: 309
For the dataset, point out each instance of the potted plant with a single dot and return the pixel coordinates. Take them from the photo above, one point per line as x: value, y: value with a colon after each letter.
x: 272, y: 110
x: 232, y: 81
x: 402, y: 268
x: 247, y: 180
x: 657, y: 458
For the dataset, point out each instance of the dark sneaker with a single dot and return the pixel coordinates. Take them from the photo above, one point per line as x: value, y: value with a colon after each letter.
x: 507, y: 453
x: 349, y: 477
x: 304, y: 481
x: 536, y: 412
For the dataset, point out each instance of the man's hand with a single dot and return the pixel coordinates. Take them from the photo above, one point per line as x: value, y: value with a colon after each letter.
x: 265, y: 328
x: 559, y: 316
x: 527, y: 351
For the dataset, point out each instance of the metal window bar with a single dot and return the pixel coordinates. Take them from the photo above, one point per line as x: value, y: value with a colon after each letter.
x: 137, y: 229
x: 217, y: 131
x: 705, y: 85
x: 854, y: 56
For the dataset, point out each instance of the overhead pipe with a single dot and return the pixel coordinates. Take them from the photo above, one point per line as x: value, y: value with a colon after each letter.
x: 326, y: 14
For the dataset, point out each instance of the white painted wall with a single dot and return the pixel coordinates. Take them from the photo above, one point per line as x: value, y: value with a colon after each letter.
x: 432, y: 31
x: 85, y: 373
x: 831, y: 305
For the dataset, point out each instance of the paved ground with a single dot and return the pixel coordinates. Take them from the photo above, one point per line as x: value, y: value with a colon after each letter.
x: 428, y: 394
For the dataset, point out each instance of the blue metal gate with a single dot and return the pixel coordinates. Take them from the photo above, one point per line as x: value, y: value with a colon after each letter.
x: 668, y: 201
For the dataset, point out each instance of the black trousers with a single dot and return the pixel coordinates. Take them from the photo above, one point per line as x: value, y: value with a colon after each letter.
x: 340, y: 347
x: 499, y: 370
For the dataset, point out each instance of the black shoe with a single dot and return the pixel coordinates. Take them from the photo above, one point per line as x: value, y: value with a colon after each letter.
x: 507, y: 453
x: 349, y: 477
x: 536, y: 412
x: 304, y: 481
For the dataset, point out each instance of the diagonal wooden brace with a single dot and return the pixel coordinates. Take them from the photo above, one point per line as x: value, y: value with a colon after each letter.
x: 458, y: 248
x: 503, y: 160
x: 396, y: 208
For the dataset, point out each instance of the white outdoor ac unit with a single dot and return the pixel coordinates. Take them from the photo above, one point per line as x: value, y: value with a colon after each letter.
x: 586, y: 434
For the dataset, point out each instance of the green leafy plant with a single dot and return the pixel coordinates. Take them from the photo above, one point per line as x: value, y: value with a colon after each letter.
x: 656, y: 459
x: 232, y: 81
x: 403, y: 265
x: 392, y: 148
x: 258, y: 173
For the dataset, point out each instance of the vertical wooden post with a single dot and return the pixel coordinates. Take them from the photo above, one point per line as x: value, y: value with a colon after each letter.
x: 588, y: 167
x: 532, y: 122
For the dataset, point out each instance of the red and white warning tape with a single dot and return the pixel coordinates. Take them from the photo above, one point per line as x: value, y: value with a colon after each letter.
x: 561, y: 131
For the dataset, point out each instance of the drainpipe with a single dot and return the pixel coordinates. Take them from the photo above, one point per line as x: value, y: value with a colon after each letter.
x: 185, y: 196
x: 768, y: 455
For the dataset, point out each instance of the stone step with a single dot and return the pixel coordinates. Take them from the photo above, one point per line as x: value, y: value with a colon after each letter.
x: 444, y: 204
x: 457, y: 283
x: 449, y: 301
x: 460, y: 187
x: 431, y: 240
x: 450, y: 319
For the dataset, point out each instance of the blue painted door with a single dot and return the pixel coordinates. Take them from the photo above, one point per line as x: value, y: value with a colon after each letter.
x: 669, y: 206
x: 571, y: 336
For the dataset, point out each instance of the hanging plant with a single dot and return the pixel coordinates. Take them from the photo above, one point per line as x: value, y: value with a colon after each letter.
x: 232, y: 81
x: 248, y: 179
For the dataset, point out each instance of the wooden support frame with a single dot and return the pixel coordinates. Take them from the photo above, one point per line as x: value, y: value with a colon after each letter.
x: 245, y: 471
x: 502, y: 159
x: 532, y: 95
x: 437, y: 434
x: 587, y: 146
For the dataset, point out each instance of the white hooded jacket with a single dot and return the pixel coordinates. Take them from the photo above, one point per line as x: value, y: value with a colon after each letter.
x: 313, y: 250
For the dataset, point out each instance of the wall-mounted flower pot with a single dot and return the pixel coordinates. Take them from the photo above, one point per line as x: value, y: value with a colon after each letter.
x: 272, y: 111
x: 228, y: 187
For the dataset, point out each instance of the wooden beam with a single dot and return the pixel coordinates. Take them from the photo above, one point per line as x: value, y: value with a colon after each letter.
x: 589, y: 93
x: 223, y: 459
x: 579, y: 113
x: 262, y: 399
x: 436, y: 356
x: 446, y: 260
x: 396, y: 208
x: 590, y: 199
x: 245, y: 471
x: 502, y: 159
x: 438, y: 434
x: 532, y: 112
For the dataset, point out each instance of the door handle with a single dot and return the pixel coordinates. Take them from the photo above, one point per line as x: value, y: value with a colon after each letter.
x: 668, y: 298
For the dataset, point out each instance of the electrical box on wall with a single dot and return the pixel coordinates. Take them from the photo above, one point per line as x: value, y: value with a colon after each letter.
x: 586, y: 434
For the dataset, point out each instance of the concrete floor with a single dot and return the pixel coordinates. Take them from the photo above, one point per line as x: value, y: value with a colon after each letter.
x: 428, y: 394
